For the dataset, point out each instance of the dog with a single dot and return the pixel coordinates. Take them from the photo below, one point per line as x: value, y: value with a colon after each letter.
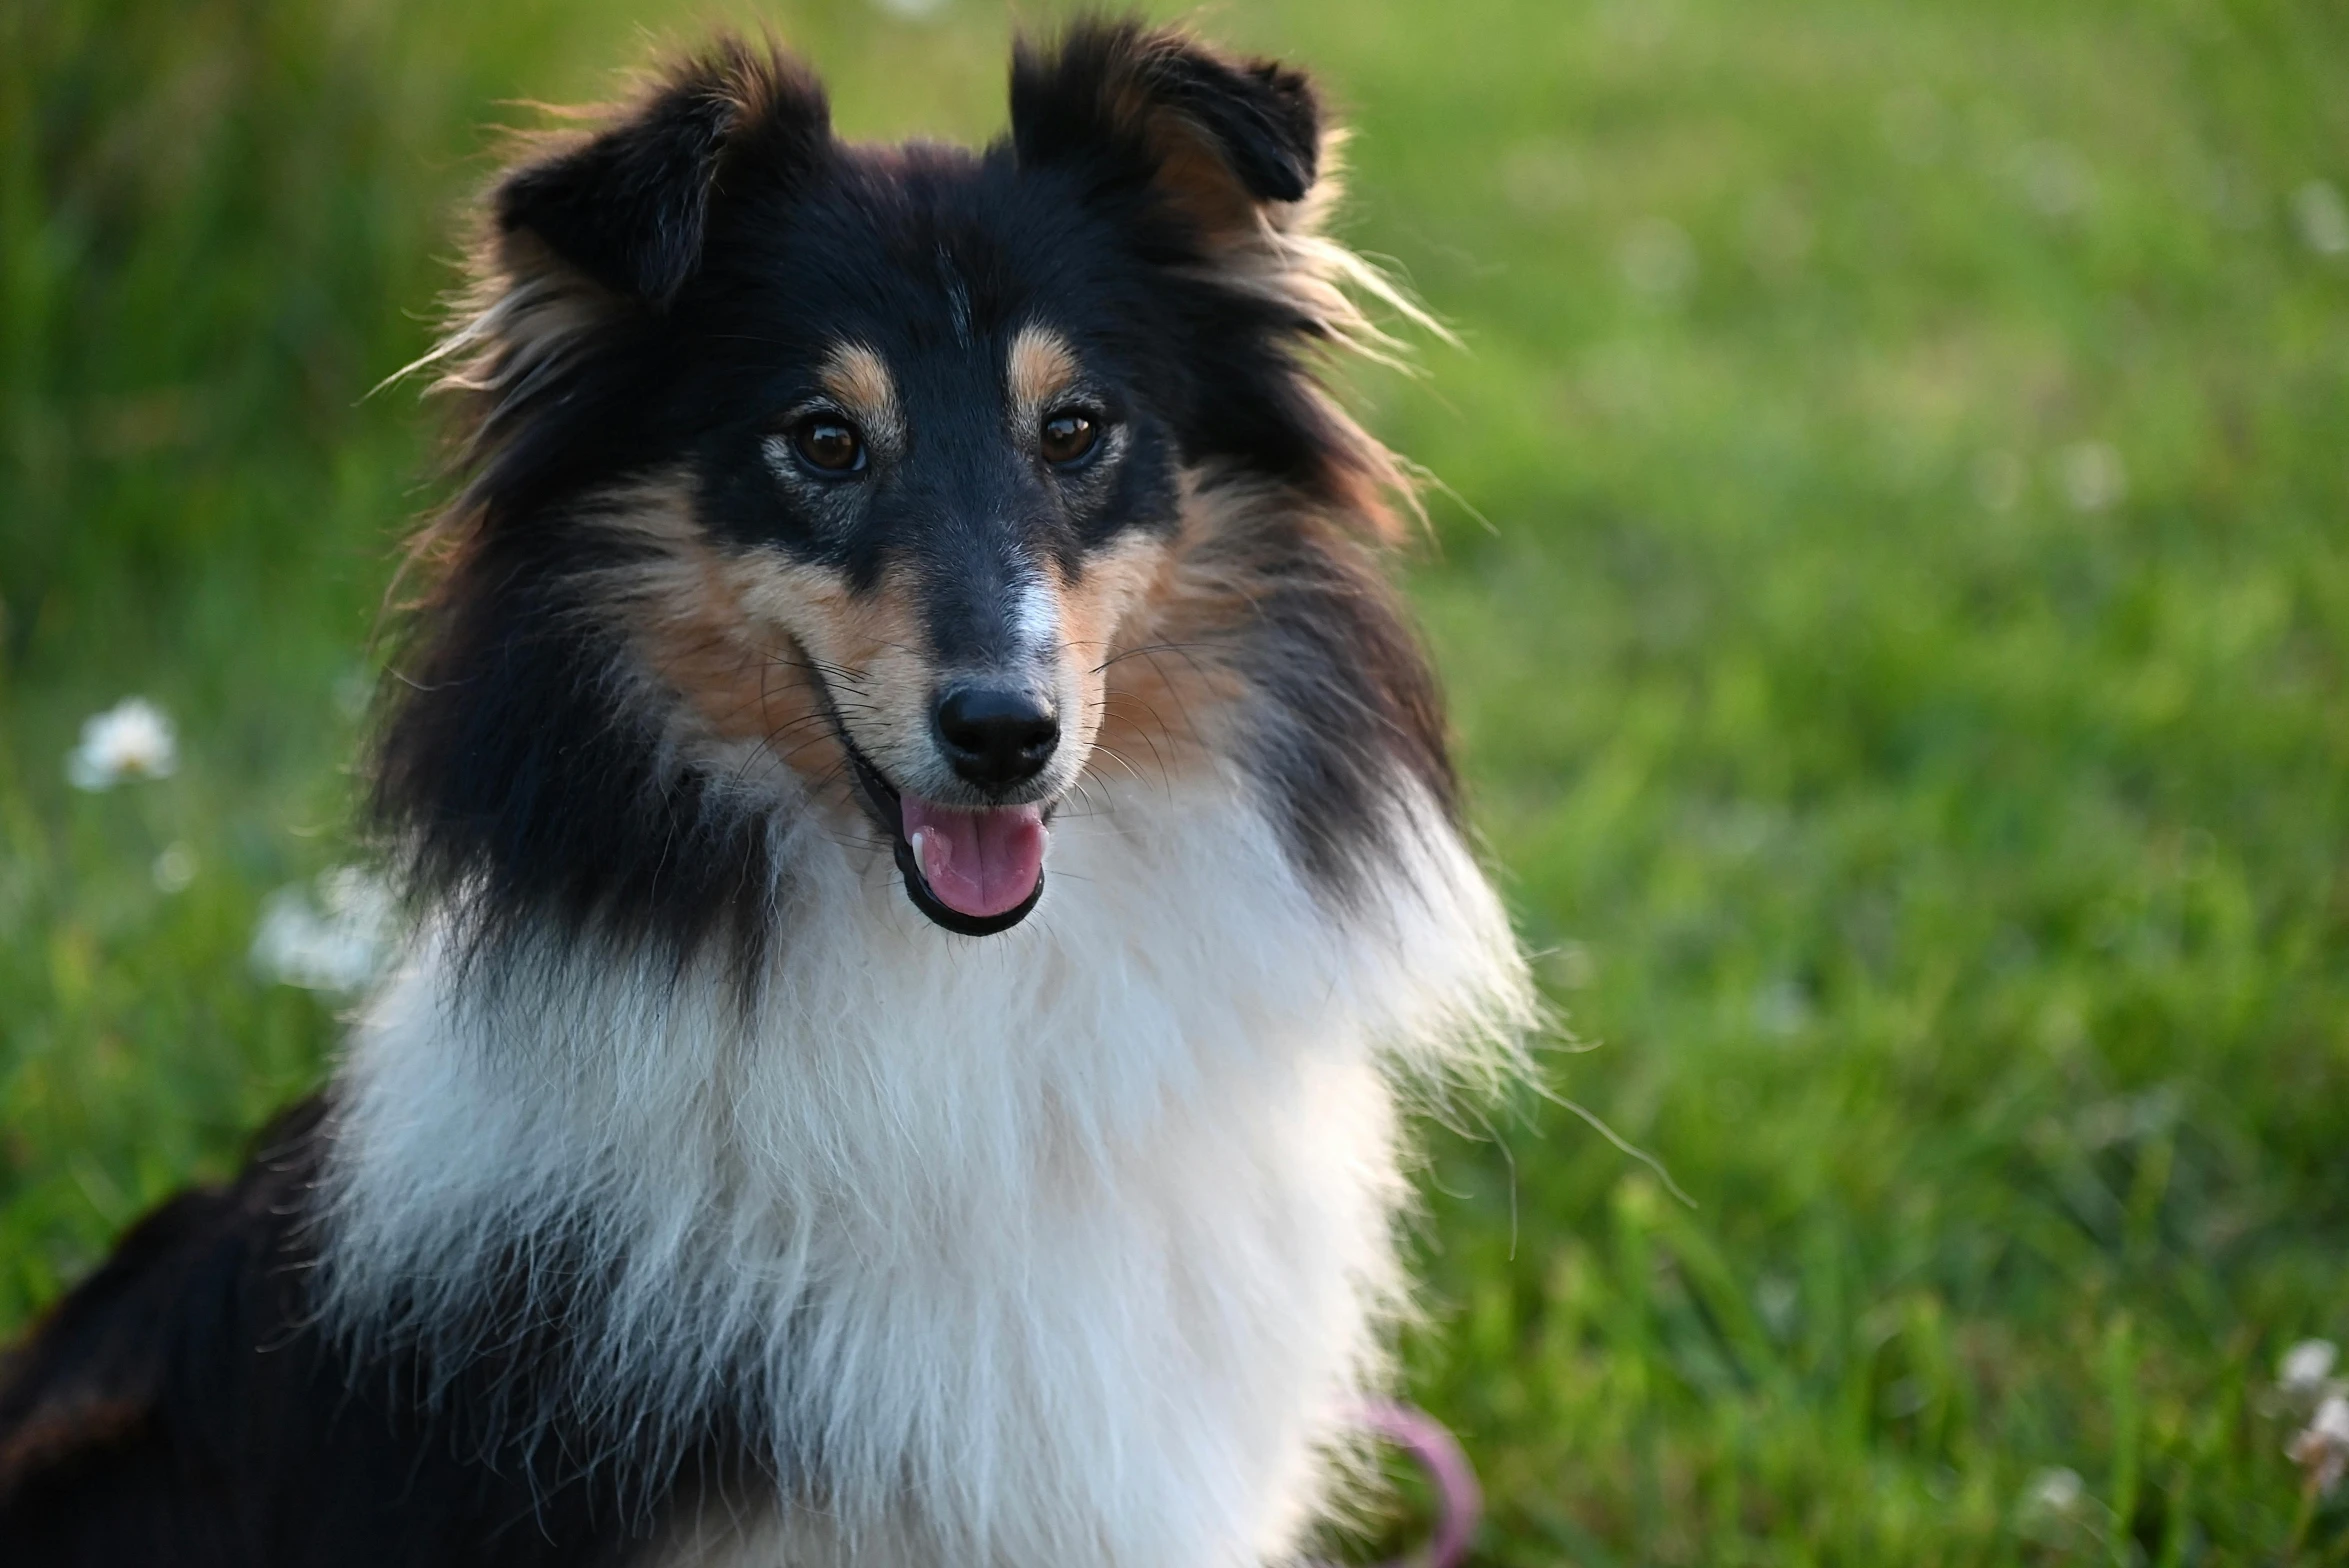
x: 935, y: 869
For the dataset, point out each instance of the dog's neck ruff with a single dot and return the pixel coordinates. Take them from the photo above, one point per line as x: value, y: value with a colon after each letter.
x: 1070, y: 1244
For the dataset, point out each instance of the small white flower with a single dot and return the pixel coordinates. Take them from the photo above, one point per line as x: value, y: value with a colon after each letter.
x: 2057, y: 1511
x: 1782, y: 1008
x: 2054, y: 178
x: 1658, y: 259
x: 131, y: 740
x: 175, y: 868
x: 2092, y: 475
x: 2323, y: 217
x: 2322, y: 1448
x: 2306, y: 1366
x: 335, y: 948
x: 2057, y: 1491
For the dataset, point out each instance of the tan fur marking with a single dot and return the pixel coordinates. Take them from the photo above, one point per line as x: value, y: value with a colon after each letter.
x: 859, y: 379
x: 868, y: 648
x: 1147, y: 631
x: 1146, y: 628
x: 1195, y: 178
x: 752, y: 642
x: 1039, y: 369
x: 687, y: 612
x: 1155, y: 623
x: 1192, y: 173
x: 70, y: 1425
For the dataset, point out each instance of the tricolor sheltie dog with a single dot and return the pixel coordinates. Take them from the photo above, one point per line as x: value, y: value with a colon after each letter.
x: 934, y: 864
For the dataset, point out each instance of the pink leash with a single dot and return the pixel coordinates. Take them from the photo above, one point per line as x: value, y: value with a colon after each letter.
x: 1458, y: 1501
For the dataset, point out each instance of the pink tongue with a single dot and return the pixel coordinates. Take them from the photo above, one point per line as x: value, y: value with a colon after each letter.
x: 978, y: 863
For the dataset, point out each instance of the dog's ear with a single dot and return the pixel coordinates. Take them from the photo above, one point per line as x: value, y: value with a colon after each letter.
x: 628, y: 207
x: 1215, y: 138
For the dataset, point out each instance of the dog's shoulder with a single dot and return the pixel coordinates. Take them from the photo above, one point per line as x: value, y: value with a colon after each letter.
x: 97, y: 1373
x: 182, y: 1406
x: 118, y: 1410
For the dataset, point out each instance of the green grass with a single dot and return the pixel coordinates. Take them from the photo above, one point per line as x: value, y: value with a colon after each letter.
x: 1944, y: 851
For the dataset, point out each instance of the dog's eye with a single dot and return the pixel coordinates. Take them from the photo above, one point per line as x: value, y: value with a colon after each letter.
x: 1067, y: 437
x: 828, y: 445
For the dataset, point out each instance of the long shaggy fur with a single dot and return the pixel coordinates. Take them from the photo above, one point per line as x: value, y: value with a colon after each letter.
x: 1084, y: 1235
x: 686, y: 1194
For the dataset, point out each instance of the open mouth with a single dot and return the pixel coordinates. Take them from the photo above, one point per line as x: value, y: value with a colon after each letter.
x: 975, y: 872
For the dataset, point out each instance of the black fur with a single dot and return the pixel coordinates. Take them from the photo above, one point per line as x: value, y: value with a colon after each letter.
x: 628, y: 207
x: 507, y: 761
x: 1077, y: 105
x: 1349, y: 707
x: 180, y: 1409
x: 504, y: 766
x: 181, y: 1406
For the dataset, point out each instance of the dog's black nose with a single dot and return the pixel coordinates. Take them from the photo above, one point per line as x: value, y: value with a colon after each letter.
x: 996, y: 736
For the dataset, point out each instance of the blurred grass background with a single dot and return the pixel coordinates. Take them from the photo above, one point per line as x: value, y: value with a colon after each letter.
x: 1897, y: 603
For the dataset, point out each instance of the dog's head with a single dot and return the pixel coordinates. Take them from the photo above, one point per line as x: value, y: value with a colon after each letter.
x: 875, y: 461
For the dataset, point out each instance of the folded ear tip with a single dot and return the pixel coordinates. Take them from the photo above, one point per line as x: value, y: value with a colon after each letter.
x: 627, y: 206
x: 1289, y: 183
x: 1296, y: 109
x: 1098, y: 86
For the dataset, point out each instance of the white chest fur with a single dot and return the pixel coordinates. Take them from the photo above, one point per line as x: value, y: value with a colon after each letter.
x: 1064, y: 1246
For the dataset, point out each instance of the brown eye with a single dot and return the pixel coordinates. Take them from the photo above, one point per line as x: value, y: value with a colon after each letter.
x: 1067, y: 436
x: 828, y: 445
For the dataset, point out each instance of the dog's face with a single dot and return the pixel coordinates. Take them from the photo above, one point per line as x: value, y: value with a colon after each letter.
x: 898, y: 467
x: 939, y: 492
